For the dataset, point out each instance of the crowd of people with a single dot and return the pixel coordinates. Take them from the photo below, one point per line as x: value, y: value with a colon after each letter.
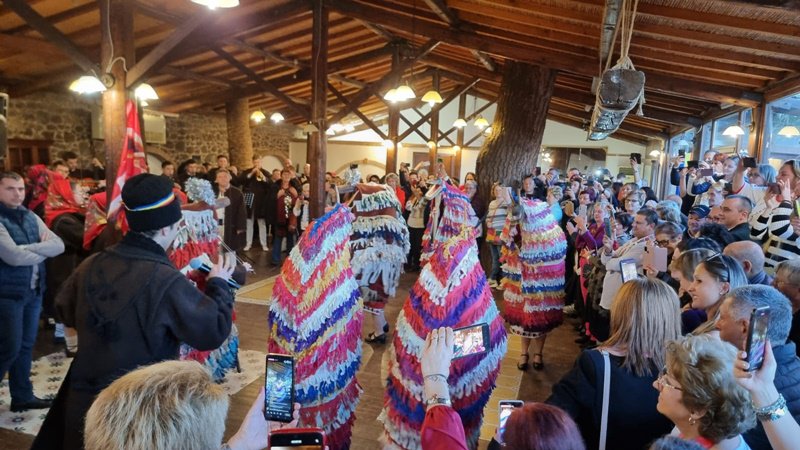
x: 661, y: 292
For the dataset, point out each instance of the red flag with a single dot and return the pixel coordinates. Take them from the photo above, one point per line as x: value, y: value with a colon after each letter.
x: 132, y: 162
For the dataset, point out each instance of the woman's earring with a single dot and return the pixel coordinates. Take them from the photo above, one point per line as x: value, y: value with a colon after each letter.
x: 692, y: 419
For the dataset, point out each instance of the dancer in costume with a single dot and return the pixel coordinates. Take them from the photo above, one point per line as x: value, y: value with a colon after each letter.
x: 451, y: 291
x: 315, y: 316
x: 533, y: 282
x: 379, y: 245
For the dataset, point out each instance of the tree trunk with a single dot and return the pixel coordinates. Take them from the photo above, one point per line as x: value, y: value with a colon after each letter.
x: 510, y: 152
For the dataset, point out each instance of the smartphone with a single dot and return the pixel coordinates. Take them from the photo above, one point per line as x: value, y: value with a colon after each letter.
x: 681, y: 154
x: 607, y: 227
x: 694, y: 164
x: 797, y: 207
x: 656, y: 256
x: 749, y: 162
x: 537, y: 171
x: 628, y: 269
x: 297, y: 439
x: 582, y: 210
x: 757, y: 337
x: 470, y: 340
x: 706, y: 172
x: 279, y: 388
x: 637, y: 157
x: 506, y: 408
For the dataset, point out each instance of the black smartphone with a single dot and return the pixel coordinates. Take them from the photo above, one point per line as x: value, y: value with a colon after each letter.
x: 706, y: 172
x: 628, y: 269
x: 537, y: 171
x: 279, y: 388
x: 297, y: 439
x: 506, y: 407
x: 470, y: 340
x: 681, y: 154
x: 607, y: 227
x: 694, y: 164
x: 637, y: 157
x: 749, y: 162
x: 757, y: 337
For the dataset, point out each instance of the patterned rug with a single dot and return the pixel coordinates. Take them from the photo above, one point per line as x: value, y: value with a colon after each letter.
x: 48, y: 372
x: 257, y: 293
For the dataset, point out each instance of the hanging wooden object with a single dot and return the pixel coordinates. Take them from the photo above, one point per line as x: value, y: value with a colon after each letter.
x: 621, y: 87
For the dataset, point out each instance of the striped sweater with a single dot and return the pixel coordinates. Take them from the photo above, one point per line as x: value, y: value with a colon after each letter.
x: 773, y: 230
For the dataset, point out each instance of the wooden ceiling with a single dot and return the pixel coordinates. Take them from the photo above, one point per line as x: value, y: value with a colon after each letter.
x: 698, y: 56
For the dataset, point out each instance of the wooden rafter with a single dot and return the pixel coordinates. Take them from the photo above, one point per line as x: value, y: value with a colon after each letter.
x: 451, y: 18
x: 262, y: 83
x: 52, y: 34
x: 358, y: 113
x: 189, y: 75
x: 436, y: 108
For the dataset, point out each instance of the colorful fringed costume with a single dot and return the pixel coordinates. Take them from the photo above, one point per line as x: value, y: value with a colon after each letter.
x: 379, y: 244
x: 533, y: 270
x: 315, y: 316
x: 201, y: 236
x: 451, y: 291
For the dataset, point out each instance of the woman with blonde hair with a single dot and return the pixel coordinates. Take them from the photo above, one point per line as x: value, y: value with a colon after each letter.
x: 699, y: 394
x: 644, y: 316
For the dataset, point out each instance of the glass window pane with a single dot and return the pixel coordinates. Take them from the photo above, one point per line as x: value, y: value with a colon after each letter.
x: 779, y: 142
x: 721, y: 142
x: 705, y: 144
x: 744, y: 140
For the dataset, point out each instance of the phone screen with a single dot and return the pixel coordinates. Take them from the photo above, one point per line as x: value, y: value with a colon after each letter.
x: 628, y: 269
x: 706, y: 172
x: 749, y: 162
x: 297, y: 439
x: 470, y: 340
x: 797, y: 207
x: 537, y: 171
x: 506, y: 408
x: 682, y: 153
x: 693, y: 164
x: 582, y: 210
x: 279, y: 387
x: 607, y: 227
x: 757, y: 337
x: 637, y: 157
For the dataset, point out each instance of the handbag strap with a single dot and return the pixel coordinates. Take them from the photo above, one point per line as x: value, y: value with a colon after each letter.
x: 606, y: 395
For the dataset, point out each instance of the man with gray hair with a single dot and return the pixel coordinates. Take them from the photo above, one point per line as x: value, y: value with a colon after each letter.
x: 734, y: 326
x: 750, y: 255
x: 787, y: 280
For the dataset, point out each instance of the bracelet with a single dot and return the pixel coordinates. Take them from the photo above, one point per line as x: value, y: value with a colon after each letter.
x: 436, y: 376
x: 436, y: 400
x: 772, y: 412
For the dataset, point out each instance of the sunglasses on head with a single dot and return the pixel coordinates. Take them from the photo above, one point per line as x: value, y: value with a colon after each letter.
x: 717, y: 259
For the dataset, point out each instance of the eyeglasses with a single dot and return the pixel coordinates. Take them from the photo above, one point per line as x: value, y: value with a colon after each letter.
x: 663, y: 243
x: 663, y: 382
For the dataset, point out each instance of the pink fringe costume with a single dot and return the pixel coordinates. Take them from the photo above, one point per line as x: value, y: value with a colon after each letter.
x: 533, y: 270
x: 315, y: 316
x: 451, y: 291
x: 379, y: 244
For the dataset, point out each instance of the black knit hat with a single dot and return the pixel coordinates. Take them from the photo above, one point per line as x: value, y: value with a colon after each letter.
x: 150, y: 203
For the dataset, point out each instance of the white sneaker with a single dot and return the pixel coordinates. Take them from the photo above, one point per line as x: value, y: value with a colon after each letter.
x: 247, y: 248
x: 493, y: 284
x: 265, y: 248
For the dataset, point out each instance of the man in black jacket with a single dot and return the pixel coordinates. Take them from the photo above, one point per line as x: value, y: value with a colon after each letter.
x: 131, y: 307
x: 734, y: 325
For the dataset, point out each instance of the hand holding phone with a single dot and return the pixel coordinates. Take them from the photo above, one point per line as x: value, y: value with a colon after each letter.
x: 506, y: 407
x: 471, y: 340
x: 749, y: 162
x: 757, y: 338
x: 656, y: 257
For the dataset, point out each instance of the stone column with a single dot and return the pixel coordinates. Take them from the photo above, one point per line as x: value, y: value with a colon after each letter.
x: 240, y: 141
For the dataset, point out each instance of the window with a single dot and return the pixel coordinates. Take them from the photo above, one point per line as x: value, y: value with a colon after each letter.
x: 682, y: 141
x: 780, y: 143
x: 713, y: 137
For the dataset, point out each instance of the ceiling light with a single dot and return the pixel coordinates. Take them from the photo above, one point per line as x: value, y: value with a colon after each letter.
x: 399, y: 145
x: 431, y: 144
x: 349, y: 127
x: 404, y: 92
x: 388, y: 144
x: 257, y: 116
x: 432, y: 98
x: 655, y: 153
x: 145, y: 92
x: 487, y: 131
x: 789, y: 131
x: 310, y: 128
x: 214, y: 4
x: 456, y: 148
x: 276, y: 117
x: 337, y: 127
x: 733, y: 131
x: 87, y: 84
x: 330, y: 132
x: 460, y: 123
x: 391, y: 96
x: 481, y: 123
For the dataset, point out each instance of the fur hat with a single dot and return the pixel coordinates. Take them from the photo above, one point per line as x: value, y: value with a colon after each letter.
x: 150, y: 203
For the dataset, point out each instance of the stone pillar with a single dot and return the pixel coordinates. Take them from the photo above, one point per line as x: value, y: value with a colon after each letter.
x: 240, y: 141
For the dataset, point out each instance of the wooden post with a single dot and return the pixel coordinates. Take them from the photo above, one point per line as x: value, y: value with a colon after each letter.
x: 119, y: 19
x: 394, y: 119
x: 240, y: 139
x: 434, y: 149
x: 316, y: 150
x: 462, y: 110
x: 757, y: 135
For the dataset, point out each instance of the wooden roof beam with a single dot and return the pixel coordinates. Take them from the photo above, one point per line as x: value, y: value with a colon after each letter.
x: 194, y: 76
x: 54, y: 35
x: 440, y: 8
x: 358, y: 113
x: 263, y: 84
x: 436, y: 108
x: 609, y: 26
x: 59, y: 17
x: 379, y: 30
x: 158, y: 56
